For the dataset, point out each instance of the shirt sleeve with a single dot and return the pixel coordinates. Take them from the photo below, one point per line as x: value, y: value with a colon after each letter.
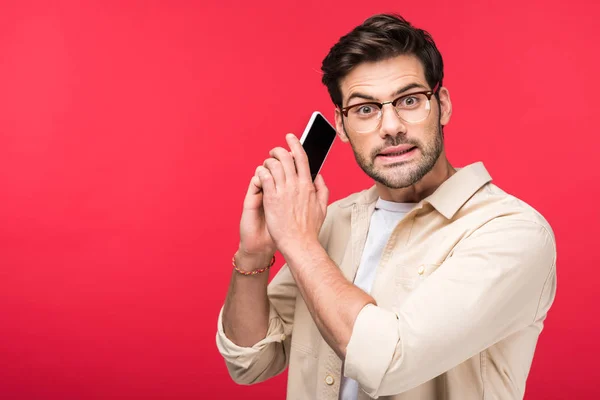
x: 270, y: 356
x: 496, y: 282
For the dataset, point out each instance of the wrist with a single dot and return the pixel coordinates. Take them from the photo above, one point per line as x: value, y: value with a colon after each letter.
x: 248, y: 262
x: 300, y: 250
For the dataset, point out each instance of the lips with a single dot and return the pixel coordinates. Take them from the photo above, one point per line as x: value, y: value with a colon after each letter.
x: 397, y: 150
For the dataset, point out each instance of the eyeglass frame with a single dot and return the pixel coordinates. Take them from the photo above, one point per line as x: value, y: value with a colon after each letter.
x: 428, y: 93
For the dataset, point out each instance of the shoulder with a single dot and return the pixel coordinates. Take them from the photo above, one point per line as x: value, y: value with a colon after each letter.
x: 506, y: 224
x: 505, y: 208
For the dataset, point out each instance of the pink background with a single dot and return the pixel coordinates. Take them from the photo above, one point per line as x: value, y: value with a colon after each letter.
x: 129, y: 131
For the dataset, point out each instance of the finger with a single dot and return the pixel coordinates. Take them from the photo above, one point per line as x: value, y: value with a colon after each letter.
x: 255, y: 186
x: 254, y: 195
x: 322, y: 191
x: 266, y: 181
x: 287, y: 162
x: 300, y: 158
x: 255, y: 178
x: 276, y: 170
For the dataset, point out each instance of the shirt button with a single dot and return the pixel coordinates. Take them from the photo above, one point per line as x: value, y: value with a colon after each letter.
x: 329, y: 380
x: 282, y: 337
x: 421, y: 270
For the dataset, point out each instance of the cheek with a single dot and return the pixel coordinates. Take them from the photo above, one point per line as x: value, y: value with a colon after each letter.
x: 362, y: 146
x: 429, y: 131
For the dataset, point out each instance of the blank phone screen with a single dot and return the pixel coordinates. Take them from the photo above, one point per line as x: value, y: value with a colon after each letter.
x: 317, y: 143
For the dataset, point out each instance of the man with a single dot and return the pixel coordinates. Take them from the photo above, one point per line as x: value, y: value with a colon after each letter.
x: 432, y: 284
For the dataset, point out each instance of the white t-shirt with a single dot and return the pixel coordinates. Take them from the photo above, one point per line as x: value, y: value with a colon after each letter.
x: 386, y: 216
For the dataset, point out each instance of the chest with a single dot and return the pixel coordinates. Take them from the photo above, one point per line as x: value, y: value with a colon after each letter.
x: 396, y: 262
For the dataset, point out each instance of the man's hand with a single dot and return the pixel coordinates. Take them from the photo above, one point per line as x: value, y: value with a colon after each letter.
x: 256, y: 245
x: 294, y: 210
x: 294, y: 206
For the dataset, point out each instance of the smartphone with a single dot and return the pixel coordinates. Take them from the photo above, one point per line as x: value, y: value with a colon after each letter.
x: 317, y: 140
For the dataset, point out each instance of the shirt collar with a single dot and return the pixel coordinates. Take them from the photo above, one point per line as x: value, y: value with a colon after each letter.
x: 460, y: 187
x: 448, y: 198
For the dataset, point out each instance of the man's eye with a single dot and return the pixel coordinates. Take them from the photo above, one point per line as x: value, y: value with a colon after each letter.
x: 366, y: 109
x: 409, y: 102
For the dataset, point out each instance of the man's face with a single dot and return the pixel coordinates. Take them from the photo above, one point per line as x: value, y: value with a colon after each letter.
x: 396, y: 154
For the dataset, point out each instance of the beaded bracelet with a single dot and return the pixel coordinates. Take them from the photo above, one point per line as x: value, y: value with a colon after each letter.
x: 254, y: 272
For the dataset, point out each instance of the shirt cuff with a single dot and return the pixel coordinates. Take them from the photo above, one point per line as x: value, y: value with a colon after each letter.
x: 243, y: 357
x: 372, y: 345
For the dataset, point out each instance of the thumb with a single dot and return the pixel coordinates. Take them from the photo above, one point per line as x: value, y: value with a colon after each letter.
x: 322, y: 191
x: 254, y: 195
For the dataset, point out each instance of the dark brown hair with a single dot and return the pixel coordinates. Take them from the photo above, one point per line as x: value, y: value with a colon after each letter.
x: 380, y: 37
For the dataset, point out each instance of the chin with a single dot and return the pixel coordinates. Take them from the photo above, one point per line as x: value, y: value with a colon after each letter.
x: 399, y: 175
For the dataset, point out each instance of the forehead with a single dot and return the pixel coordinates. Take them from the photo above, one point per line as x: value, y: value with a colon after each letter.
x: 382, y: 78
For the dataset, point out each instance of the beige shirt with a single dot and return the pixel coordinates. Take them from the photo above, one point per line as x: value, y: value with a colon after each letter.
x: 462, y: 289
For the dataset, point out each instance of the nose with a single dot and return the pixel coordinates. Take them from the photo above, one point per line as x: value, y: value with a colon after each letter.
x: 391, y: 124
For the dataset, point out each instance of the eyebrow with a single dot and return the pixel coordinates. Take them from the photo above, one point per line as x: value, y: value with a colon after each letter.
x: 396, y: 93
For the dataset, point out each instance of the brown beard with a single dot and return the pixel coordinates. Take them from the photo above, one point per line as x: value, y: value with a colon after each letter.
x: 411, y: 174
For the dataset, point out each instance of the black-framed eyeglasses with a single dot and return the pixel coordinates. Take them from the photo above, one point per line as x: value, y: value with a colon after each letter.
x: 413, y: 108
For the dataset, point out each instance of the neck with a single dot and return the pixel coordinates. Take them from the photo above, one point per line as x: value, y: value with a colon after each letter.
x: 441, y: 171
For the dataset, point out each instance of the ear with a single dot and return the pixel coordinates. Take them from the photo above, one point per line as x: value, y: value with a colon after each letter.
x: 339, y: 125
x: 445, y: 106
